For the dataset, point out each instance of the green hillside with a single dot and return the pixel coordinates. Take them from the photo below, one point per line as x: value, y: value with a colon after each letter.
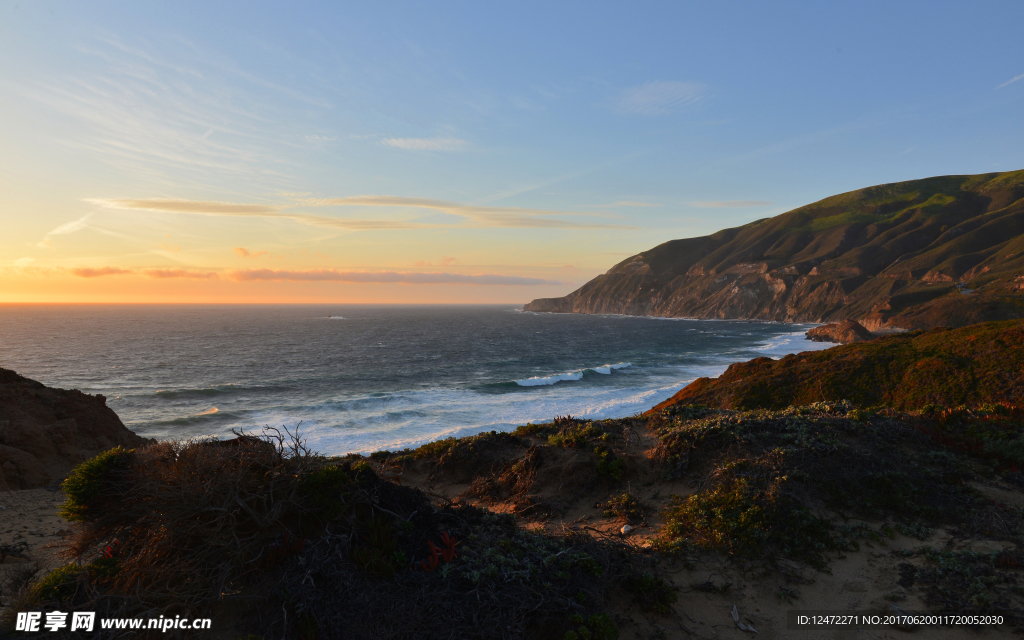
x: 940, y: 251
x: 971, y: 366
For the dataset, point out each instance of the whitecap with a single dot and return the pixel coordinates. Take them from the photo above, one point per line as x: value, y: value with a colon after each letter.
x: 607, y: 369
x: 569, y: 376
x: 537, y: 381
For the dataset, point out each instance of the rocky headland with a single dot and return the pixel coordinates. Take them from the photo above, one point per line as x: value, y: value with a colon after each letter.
x: 46, y: 432
x: 843, y: 332
x: 943, y: 251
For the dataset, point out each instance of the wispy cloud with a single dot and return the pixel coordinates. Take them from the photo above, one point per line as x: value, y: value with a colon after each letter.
x: 514, y: 217
x: 24, y: 262
x: 177, y: 273
x: 488, y: 216
x: 242, y: 252
x: 659, y: 98
x: 729, y: 204
x: 228, y: 209
x: 426, y: 144
x: 66, y: 228
x: 166, y: 122
x: 627, y: 203
x: 1011, y: 81
x: 190, y: 206
x: 85, y: 272
x: 399, y: 277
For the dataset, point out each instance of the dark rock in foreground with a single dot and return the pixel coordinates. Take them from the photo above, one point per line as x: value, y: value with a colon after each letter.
x: 44, y: 432
x: 843, y: 332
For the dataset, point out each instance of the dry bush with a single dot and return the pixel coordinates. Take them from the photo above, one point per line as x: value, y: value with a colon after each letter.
x: 304, y: 547
x: 190, y: 521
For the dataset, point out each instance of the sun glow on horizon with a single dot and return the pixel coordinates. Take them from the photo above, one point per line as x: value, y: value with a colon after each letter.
x: 164, y: 153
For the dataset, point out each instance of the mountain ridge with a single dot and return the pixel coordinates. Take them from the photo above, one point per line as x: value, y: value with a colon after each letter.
x: 941, y: 251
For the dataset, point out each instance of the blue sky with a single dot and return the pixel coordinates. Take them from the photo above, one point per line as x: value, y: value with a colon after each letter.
x: 282, y: 152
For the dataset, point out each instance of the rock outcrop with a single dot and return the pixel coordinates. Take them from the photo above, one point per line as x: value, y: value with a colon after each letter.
x: 843, y: 332
x: 945, y: 251
x: 45, y: 432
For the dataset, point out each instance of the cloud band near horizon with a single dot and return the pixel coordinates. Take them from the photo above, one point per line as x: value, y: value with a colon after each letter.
x: 321, y: 275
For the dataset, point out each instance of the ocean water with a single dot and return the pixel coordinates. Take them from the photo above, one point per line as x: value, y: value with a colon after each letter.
x: 363, y: 378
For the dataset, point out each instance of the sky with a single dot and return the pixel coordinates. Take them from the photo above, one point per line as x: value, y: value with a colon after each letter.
x: 439, y: 152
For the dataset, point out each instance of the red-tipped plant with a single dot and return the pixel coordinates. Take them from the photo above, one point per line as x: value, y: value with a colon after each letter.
x: 433, y: 559
x: 110, y: 549
x: 444, y: 553
x: 449, y: 546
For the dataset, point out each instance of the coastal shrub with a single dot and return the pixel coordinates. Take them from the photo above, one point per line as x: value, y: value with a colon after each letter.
x: 339, y: 550
x: 60, y: 585
x: 774, y: 483
x: 1011, y: 450
x: 498, y: 581
x: 89, y: 479
x: 181, y: 522
x: 324, y: 490
x: 608, y: 466
x: 531, y: 429
x: 575, y: 435
x: 377, y: 550
x: 652, y: 593
x: 626, y: 506
x: 747, y: 511
x: 103, y: 568
x: 967, y: 582
x: 597, y: 627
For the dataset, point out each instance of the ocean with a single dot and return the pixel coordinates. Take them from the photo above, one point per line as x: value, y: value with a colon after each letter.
x: 364, y: 378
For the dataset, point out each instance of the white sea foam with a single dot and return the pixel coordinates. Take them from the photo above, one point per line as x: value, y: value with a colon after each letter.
x: 536, y: 381
x: 793, y: 342
x: 411, y: 418
x: 607, y: 369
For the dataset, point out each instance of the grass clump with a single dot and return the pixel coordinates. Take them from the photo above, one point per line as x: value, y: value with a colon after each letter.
x: 325, y: 490
x: 652, y: 593
x: 597, y: 627
x: 60, y: 585
x: 626, y: 506
x: 608, y: 466
x: 575, y: 434
x: 89, y: 479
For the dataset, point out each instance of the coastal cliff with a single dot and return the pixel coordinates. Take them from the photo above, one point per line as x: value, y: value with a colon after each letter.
x: 46, y: 432
x: 943, y: 251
